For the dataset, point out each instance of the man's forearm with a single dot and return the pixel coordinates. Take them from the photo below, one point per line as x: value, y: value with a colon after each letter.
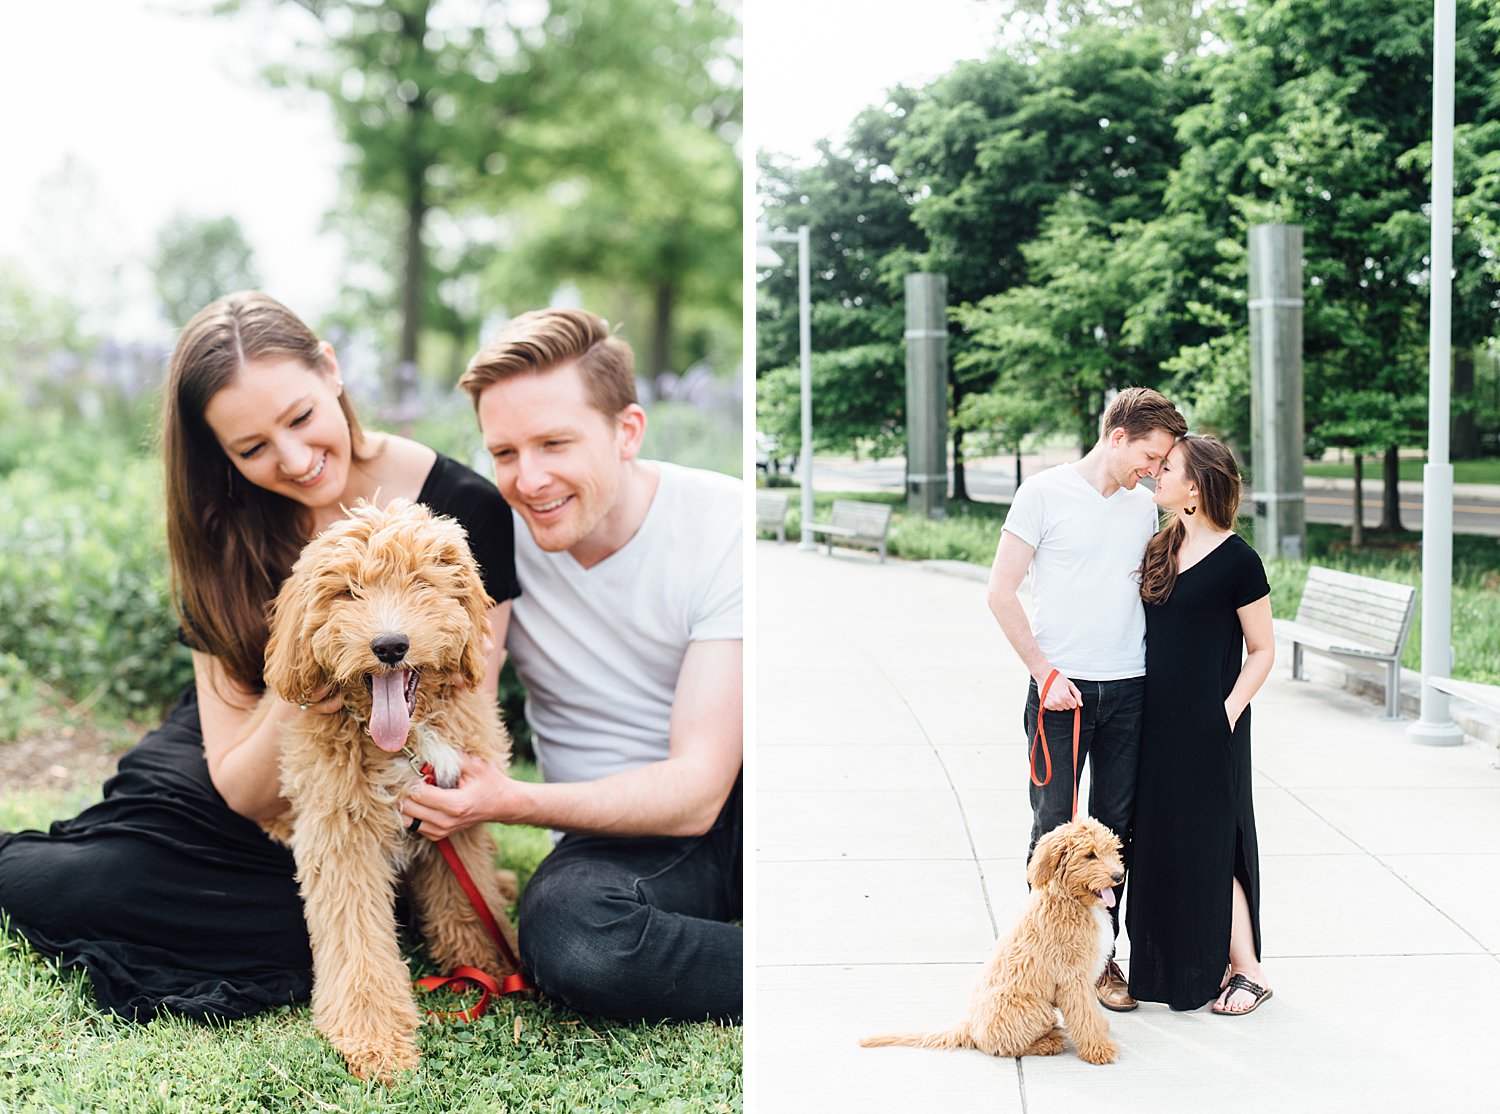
x: 674, y: 797
x: 1007, y: 609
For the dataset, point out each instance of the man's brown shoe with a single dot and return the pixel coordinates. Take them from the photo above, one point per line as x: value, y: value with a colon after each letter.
x: 1113, y: 990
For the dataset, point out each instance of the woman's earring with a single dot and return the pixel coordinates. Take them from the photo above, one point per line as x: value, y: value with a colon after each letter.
x: 1189, y: 510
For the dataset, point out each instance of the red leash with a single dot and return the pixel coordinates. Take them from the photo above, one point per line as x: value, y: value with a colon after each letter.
x: 511, y: 984
x: 1041, y: 735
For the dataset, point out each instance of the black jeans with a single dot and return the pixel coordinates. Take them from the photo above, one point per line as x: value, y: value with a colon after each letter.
x: 1110, y: 731
x: 638, y: 927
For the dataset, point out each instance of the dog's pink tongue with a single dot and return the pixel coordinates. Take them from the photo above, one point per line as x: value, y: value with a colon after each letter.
x: 389, y: 719
x: 1108, y: 894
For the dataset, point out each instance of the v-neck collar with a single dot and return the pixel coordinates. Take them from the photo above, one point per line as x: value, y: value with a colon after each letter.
x: 1222, y: 543
x: 1081, y: 478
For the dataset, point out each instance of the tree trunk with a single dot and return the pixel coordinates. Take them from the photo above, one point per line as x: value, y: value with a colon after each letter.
x: 960, y: 485
x: 411, y: 284
x: 1357, y: 532
x: 1465, y: 442
x: 960, y: 481
x: 1018, y: 467
x: 661, y: 330
x: 1390, y: 521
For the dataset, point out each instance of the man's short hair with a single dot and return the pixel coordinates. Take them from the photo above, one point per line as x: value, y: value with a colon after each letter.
x: 545, y: 339
x: 1140, y: 412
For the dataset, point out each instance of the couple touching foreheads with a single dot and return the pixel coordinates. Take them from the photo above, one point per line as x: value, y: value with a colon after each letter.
x: 1156, y: 639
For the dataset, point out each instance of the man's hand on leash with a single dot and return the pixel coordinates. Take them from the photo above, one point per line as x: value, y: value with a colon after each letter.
x: 480, y: 795
x: 1063, y: 696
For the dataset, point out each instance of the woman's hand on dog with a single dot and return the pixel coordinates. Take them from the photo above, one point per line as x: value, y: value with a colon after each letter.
x: 481, y: 795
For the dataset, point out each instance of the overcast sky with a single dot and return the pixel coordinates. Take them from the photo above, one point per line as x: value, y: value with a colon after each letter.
x: 812, y: 65
x: 163, y: 112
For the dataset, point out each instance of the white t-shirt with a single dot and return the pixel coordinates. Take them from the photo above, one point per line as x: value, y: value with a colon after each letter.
x: 599, y: 649
x: 1086, y: 594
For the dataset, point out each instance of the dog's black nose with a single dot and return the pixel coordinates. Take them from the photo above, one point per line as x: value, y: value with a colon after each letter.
x: 390, y: 648
x: 1117, y: 878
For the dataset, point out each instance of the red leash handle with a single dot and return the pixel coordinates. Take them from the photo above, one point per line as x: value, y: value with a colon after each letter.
x: 511, y: 984
x: 1041, y: 737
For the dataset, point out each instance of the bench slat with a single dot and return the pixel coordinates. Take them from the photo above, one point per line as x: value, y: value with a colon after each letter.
x: 1362, y: 585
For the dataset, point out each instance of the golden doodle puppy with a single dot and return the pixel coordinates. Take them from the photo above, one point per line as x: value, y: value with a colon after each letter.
x: 385, y: 606
x: 1050, y: 962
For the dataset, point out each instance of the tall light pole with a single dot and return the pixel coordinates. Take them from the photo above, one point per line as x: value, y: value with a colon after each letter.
x: 763, y: 238
x: 1436, y: 726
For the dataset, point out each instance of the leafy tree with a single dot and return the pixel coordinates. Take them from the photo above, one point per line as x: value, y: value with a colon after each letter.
x: 1186, y: 26
x: 197, y: 261
x: 455, y: 113
x: 651, y: 184
x: 1320, y: 115
x: 859, y: 218
x: 1029, y: 172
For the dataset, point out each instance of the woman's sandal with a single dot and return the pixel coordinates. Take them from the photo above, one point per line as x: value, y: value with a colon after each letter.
x: 1239, y: 982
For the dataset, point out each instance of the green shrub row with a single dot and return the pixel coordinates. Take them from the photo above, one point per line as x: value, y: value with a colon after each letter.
x: 971, y: 531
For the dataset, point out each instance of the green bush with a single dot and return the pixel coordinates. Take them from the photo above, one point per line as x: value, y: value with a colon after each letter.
x: 84, y: 600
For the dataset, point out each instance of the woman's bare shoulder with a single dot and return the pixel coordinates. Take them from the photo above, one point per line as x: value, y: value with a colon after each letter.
x: 399, y: 465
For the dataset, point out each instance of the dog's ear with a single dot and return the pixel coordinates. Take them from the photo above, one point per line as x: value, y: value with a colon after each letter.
x: 466, y: 585
x: 1047, y: 859
x: 291, y: 671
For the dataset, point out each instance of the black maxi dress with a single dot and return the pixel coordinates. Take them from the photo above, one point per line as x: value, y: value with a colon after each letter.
x: 1194, y: 822
x: 164, y: 895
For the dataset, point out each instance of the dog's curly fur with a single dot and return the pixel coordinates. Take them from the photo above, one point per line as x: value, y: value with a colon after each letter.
x: 1050, y: 962
x: 380, y: 576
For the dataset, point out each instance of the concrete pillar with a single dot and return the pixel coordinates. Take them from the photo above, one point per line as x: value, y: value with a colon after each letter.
x: 1276, y: 389
x: 927, y: 395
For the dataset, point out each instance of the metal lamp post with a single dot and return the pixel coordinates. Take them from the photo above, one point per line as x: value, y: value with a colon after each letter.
x: 763, y: 238
x: 1436, y: 727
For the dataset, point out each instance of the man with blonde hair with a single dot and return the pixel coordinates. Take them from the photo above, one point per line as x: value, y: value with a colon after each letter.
x: 1082, y: 530
x: 628, y: 640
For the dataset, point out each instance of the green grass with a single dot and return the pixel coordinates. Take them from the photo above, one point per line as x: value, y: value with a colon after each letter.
x: 972, y: 531
x: 59, y: 1052
x: 1464, y: 471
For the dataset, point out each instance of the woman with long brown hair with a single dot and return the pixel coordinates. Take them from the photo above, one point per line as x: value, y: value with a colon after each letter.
x: 168, y: 891
x: 1194, y: 912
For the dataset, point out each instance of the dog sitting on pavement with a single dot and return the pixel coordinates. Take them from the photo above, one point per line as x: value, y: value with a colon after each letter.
x: 1051, y: 961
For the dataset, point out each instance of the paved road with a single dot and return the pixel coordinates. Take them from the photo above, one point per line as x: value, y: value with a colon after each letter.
x: 1476, y: 508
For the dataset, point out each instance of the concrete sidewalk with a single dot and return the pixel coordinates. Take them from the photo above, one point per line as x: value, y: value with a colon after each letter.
x: 891, y: 829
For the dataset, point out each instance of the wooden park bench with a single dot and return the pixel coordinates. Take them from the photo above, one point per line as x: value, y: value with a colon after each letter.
x: 1358, y: 617
x: 770, y: 511
x: 856, y: 523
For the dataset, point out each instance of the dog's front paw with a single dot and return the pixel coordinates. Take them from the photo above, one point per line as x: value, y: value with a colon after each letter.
x: 383, y: 1061
x: 1049, y: 1045
x: 1105, y: 1052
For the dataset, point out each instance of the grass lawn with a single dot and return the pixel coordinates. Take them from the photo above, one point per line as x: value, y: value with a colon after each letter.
x: 58, y: 1052
x: 972, y: 531
x: 1464, y: 471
